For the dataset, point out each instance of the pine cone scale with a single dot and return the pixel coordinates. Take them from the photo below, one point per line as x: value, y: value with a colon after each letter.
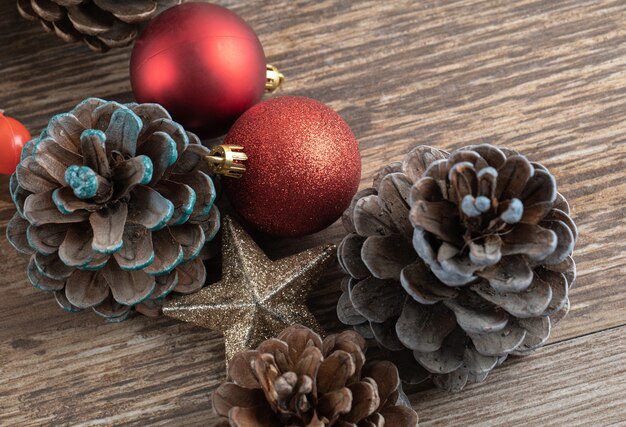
x: 560, y: 290
x: 131, y: 11
x: 123, y: 132
x: 109, y: 308
x: 439, y: 218
x: 512, y: 274
x: 165, y: 284
x: 75, y: 249
x: 365, y: 400
x: 537, y: 333
x: 66, y: 31
x: 499, y: 343
x: 530, y: 303
x: 67, y: 202
x: 565, y: 241
x: 17, y: 230
x: 94, y: 153
x: 334, y: 404
x: 387, y: 294
x: 448, y: 358
x: 137, y: 250
x: 242, y: 417
x: 108, y: 225
x: 40, y: 280
x: 128, y: 287
x: 393, y: 193
x: 349, y: 251
x: 370, y: 219
x: 346, y: 312
x: 230, y: 395
x: 54, y: 158
x: 423, y: 286
x: 335, y: 371
x: 436, y: 322
x: 120, y: 35
x: 168, y: 253
x: 86, y: 289
x: 387, y: 380
x: 162, y: 148
x: 149, y: 208
x: 66, y: 3
x: 385, y: 256
x: 47, y: 10
x: 386, y: 334
x: 46, y: 239
x: 89, y: 20
x: 191, y: 238
x: 52, y: 267
x: 475, y: 315
x: 40, y: 209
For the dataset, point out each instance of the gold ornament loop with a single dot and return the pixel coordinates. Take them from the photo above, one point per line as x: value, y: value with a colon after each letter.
x: 227, y: 160
x: 273, y: 78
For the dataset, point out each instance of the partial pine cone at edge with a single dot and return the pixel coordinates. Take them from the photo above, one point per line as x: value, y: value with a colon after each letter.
x: 100, y: 24
x: 457, y: 260
x: 298, y: 379
x: 114, y: 205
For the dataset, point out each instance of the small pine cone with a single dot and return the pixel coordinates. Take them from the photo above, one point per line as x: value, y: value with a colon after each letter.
x: 114, y: 205
x: 460, y: 259
x: 299, y: 380
x: 100, y: 24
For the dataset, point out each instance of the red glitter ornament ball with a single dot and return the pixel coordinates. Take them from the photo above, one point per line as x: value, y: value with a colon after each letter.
x: 203, y: 63
x: 303, y: 166
x: 13, y: 136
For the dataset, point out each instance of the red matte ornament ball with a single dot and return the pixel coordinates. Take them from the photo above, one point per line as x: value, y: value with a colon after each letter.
x: 13, y: 136
x: 203, y: 63
x: 303, y: 166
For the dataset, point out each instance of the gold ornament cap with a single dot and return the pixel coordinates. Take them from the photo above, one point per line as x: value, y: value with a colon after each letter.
x: 227, y: 160
x: 273, y: 78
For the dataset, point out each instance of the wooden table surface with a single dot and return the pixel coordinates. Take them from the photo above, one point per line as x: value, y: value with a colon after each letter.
x: 544, y: 77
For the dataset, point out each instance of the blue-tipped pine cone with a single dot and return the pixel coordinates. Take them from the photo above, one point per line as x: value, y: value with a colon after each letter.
x: 114, y: 205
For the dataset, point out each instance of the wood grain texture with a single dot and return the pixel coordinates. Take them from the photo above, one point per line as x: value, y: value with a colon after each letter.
x: 588, y: 377
x: 544, y: 77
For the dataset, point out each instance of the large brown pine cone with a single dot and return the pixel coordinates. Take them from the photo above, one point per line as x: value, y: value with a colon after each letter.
x: 299, y: 380
x: 460, y: 259
x: 101, y: 24
x: 114, y: 204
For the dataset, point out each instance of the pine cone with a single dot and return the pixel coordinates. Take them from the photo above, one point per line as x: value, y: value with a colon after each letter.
x: 299, y: 380
x: 101, y: 24
x: 461, y: 259
x: 115, y: 205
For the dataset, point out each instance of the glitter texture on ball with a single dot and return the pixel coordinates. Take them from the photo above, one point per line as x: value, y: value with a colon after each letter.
x: 304, y: 166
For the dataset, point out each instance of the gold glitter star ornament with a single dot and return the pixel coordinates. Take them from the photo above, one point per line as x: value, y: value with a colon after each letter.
x: 257, y: 297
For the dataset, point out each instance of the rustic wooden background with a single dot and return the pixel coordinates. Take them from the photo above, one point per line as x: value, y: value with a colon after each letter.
x: 545, y: 77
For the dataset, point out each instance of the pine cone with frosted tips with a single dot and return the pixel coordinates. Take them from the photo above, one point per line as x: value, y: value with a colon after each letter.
x: 114, y: 205
x: 100, y: 24
x: 297, y: 379
x: 460, y: 259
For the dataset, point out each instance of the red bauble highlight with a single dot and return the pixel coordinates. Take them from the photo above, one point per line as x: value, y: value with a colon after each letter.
x: 13, y: 136
x: 203, y: 63
x: 303, y: 166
